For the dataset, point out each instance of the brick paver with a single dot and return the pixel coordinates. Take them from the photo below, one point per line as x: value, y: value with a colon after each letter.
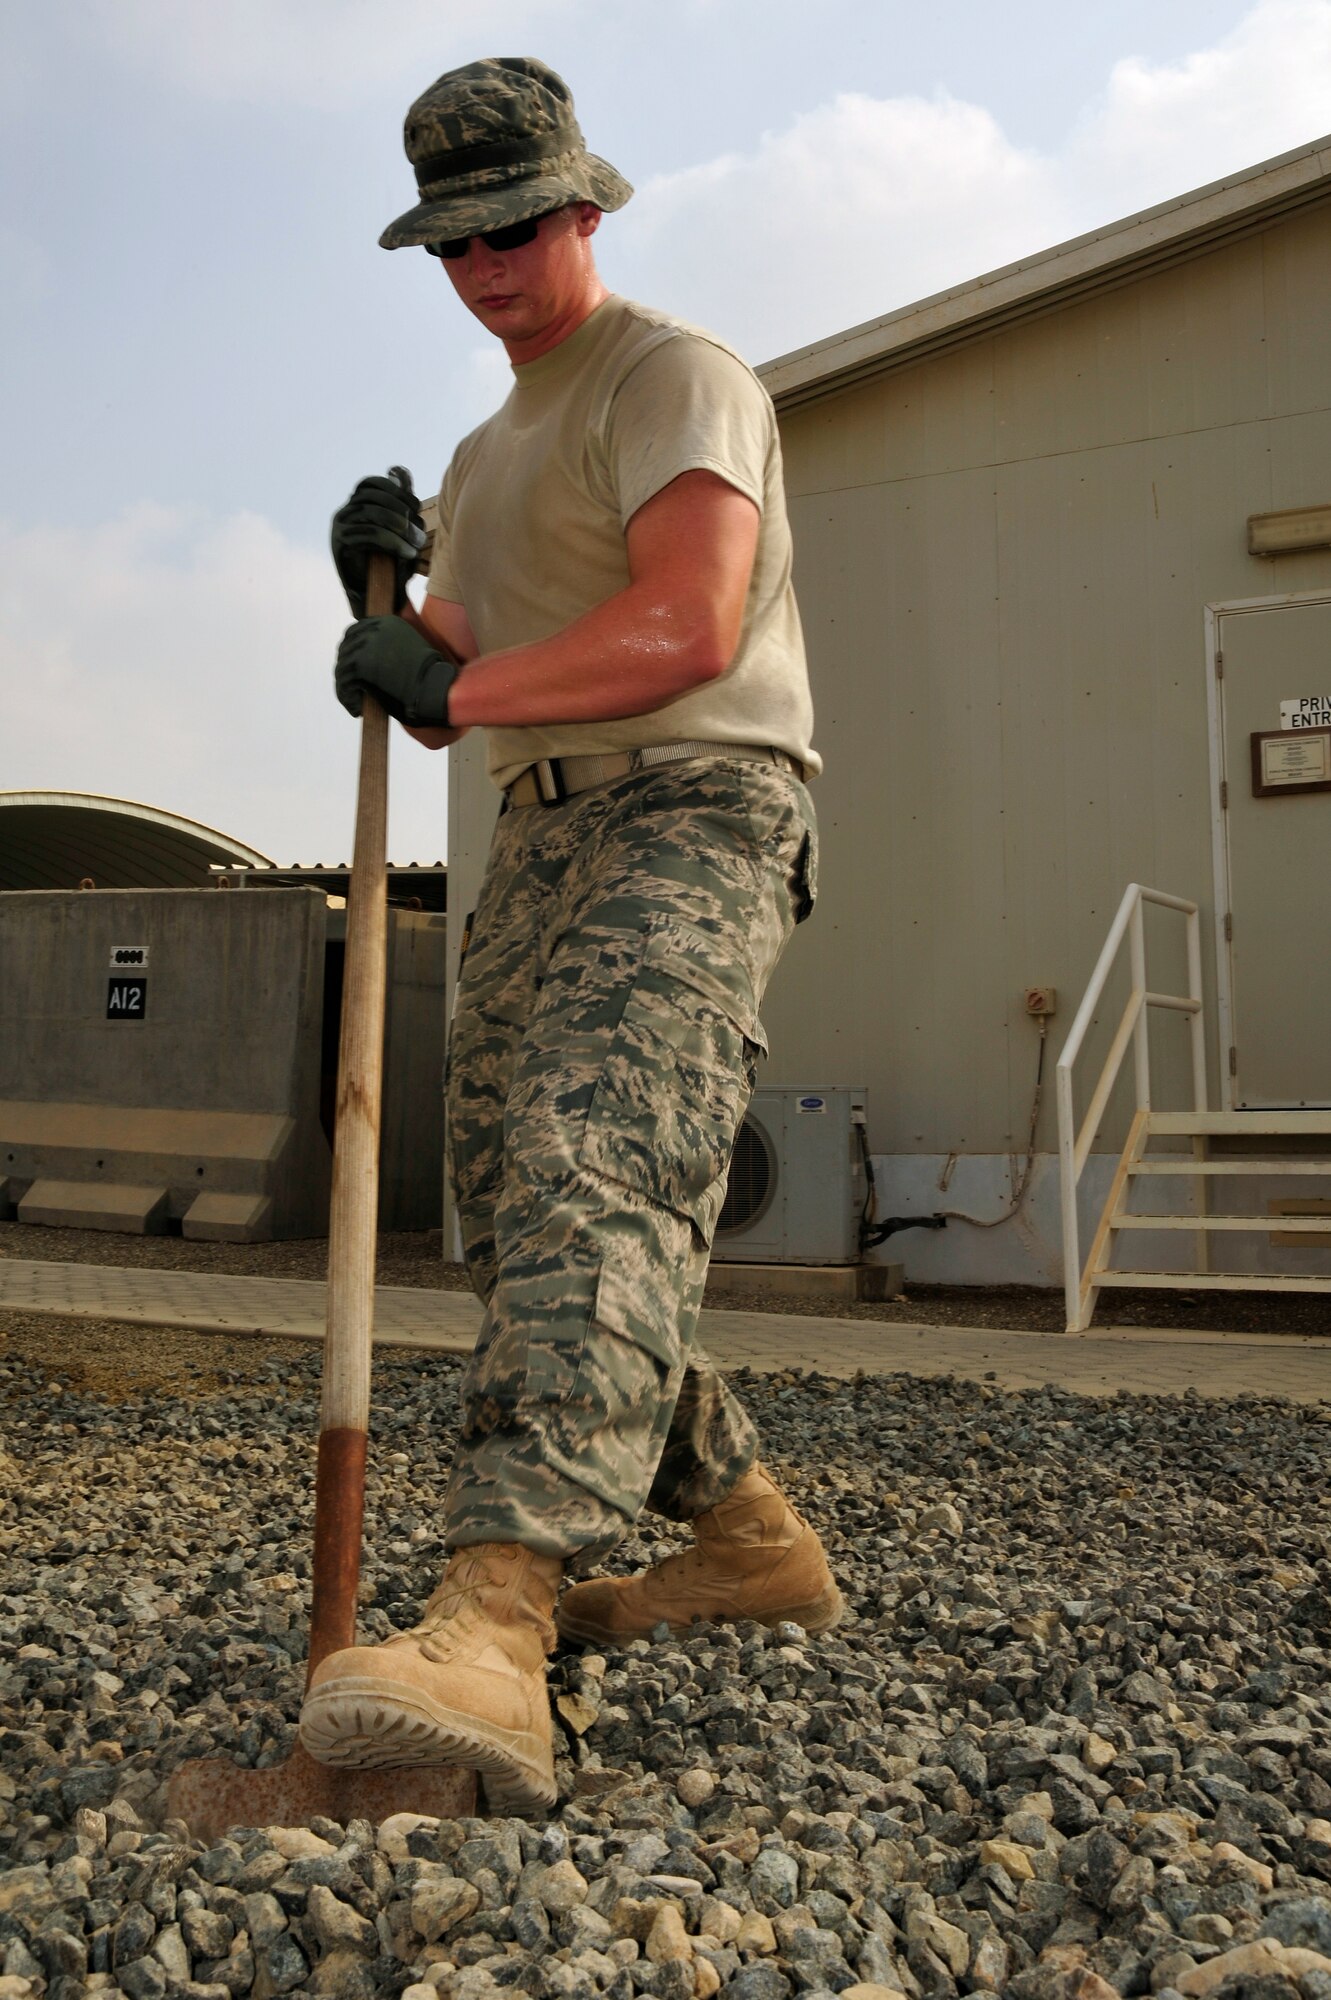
x: 1098, y: 1363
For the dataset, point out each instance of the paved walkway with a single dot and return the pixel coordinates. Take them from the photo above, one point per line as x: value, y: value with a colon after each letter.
x: 1096, y: 1363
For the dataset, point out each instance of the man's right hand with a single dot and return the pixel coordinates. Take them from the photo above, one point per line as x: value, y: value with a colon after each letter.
x: 393, y: 660
x: 383, y: 515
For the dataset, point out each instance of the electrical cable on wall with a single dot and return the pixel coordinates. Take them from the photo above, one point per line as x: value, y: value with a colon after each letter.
x: 873, y: 1232
x: 1022, y: 1187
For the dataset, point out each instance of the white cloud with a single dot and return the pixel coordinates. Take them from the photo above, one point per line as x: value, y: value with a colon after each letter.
x: 1263, y: 89
x: 318, y: 53
x: 866, y: 204
x: 857, y: 206
x: 185, y: 661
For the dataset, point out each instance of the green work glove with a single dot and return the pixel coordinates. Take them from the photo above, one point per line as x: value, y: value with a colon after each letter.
x: 381, y: 515
x: 389, y: 659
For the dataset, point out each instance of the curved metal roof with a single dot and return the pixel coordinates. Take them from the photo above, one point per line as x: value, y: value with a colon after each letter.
x: 56, y: 840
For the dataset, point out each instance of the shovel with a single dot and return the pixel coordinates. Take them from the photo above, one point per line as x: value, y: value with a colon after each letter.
x: 210, y: 1794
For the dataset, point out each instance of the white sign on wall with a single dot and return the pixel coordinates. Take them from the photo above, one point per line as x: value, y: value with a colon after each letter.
x: 1310, y: 711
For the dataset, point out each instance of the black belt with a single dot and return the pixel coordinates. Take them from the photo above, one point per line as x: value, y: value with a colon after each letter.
x: 554, y: 779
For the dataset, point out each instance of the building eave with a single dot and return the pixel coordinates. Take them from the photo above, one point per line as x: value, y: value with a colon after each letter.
x: 1172, y: 233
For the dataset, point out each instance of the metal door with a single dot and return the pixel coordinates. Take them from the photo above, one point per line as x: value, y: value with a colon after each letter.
x: 1273, y: 849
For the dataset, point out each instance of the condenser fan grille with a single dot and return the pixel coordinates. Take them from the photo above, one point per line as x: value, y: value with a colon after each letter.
x: 752, y: 1177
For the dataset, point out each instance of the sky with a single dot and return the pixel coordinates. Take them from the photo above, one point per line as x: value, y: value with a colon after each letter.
x: 202, y: 347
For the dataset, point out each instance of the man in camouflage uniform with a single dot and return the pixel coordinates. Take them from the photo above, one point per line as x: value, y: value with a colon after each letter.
x: 609, y: 596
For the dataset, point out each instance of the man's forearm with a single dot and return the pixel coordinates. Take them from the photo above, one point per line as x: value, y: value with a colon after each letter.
x: 629, y: 656
x: 674, y: 626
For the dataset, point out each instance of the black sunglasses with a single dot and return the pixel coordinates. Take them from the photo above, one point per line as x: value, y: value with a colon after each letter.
x: 511, y: 237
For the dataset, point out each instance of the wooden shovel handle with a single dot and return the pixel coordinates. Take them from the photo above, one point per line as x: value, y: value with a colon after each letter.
x: 339, y: 1493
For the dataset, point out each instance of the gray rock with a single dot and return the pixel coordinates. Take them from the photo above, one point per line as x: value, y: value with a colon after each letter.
x: 282, y: 1965
x: 61, y: 1954
x: 816, y: 1952
x: 531, y: 1925
x: 132, y: 1935
x: 559, y: 1887
x: 1105, y: 1860
x: 91, y: 1785
x: 1142, y: 1690
x: 968, y: 1761
x: 18, y: 1962
x: 235, y: 1972
x: 142, y: 1979
x: 774, y: 1878
x: 874, y: 1963
x: 1305, y: 1922
x: 265, y: 1918
x: 758, y: 1982
x: 206, y: 1933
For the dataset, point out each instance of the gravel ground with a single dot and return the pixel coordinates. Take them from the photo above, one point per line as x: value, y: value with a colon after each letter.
x: 416, y: 1259
x: 1072, y: 1741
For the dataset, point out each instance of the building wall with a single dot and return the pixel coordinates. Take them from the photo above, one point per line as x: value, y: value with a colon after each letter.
x: 1003, y: 555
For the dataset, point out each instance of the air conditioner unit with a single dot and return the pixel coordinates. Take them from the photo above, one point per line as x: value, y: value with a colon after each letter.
x: 797, y: 1186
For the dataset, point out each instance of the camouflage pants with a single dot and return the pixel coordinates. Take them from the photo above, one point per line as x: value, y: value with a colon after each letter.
x: 604, y: 1042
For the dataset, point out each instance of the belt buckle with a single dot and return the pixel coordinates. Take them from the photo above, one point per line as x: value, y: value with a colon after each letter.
x: 549, y: 781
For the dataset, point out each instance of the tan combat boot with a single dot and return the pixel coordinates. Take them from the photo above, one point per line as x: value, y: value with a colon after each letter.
x: 466, y: 1686
x: 753, y: 1557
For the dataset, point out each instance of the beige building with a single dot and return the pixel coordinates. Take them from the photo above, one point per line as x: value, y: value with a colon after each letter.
x: 1022, y: 520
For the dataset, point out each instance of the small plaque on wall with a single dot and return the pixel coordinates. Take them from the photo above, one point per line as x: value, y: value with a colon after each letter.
x: 126, y: 999
x: 1290, y: 760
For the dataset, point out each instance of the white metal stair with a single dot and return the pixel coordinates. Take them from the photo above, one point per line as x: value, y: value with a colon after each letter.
x: 1110, y: 1261
x: 1256, y: 1146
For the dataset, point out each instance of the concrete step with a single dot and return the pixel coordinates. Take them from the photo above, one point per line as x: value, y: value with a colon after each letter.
x: 1252, y: 1167
x: 1209, y: 1281
x: 1258, y: 1124
x: 135, y: 1210
x: 1260, y: 1225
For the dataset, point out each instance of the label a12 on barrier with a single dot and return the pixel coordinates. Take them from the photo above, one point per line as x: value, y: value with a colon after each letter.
x: 126, y: 999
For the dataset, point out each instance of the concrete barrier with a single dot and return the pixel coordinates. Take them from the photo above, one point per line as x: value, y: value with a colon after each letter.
x: 168, y: 1061
x: 160, y: 1058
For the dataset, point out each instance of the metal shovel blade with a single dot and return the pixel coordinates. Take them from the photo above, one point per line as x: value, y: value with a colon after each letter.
x: 213, y: 1795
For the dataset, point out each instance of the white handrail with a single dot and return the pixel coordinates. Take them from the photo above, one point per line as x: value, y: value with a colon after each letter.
x: 1074, y: 1144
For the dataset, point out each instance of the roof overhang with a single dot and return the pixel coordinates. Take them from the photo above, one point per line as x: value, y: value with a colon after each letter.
x: 58, y: 840
x: 420, y: 885
x: 1102, y: 260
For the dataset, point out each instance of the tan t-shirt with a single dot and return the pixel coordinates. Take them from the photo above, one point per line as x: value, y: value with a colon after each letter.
x: 534, y: 507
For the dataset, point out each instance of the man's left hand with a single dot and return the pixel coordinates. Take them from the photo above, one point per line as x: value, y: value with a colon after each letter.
x: 389, y: 659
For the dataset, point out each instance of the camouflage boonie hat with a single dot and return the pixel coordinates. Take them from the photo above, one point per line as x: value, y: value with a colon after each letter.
x: 493, y: 143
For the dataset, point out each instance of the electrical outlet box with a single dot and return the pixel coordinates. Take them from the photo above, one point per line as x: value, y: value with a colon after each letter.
x: 1041, y: 999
